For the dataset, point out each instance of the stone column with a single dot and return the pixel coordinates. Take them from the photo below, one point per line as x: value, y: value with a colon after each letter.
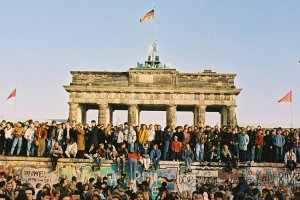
x: 199, y: 115
x: 133, y: 115
x: 232, y: 116
x: 111, y: 115
x: 224, y: 116
x: 83, y: 113
x: 171, y: 115
x: 103, y: 117
x: 73, y: 112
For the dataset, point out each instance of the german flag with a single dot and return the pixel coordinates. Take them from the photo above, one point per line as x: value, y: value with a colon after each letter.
x: 148, y: 15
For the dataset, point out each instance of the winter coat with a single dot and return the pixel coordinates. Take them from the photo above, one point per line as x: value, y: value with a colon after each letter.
x: 278, y: 140
x: 80, y: 139
x: 155, y: 154
x: 243, y: 141
x: 143, y: 136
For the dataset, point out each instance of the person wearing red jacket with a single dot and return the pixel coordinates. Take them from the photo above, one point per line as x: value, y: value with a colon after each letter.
x: 176, y: 149
x: 133, y: 157
x: 259, y: 145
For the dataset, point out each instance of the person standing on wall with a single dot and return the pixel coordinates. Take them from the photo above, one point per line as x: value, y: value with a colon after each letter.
x: 80, y: 141
x: 243, y: 143
x: 133, y: 157
x: 41, y: 134
x: 18, y: 138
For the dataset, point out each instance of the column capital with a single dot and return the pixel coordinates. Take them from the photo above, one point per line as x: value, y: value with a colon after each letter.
x: 231, y: 106
x: 132, y: 105
x: 172, y: 105
x: 73, y: 104
x: 103, y: 105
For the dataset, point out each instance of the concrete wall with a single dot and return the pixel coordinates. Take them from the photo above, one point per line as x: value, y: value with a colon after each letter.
x: 36, y: 170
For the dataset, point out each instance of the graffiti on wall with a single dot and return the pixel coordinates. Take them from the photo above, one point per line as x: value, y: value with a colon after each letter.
x: 189, y: 182
x: 84, y: 172
x: 41, y: 172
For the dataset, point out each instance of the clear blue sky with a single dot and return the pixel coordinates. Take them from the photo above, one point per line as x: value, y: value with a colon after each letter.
x: 41, y: 41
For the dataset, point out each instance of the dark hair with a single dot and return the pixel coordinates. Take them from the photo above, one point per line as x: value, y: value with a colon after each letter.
x: 62, y: 181
x: 45, y: 193
x: 91, y: 180
x: 219, y: 195
x: 62, y: 196
x: 21, y: 195
x: 97, y: 196
x: 255, y: 191
x: 30, y: 188
x: 74, y: 178
x: 9, y: 178
x: 79, y: 186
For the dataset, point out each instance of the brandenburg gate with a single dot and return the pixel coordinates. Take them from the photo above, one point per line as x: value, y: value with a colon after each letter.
x: 152, y: 89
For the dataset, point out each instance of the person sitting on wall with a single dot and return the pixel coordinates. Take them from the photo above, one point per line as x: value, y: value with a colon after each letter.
x: 91, y: 153
x: 100, y: 155
x: 228, y: 159
x: 56, y: 153
x: 155, y: 155
x: 111, y: 152
x: 71, y: 149
x: 290, y: 160
x: 121, y: 160
x: 213, y: 154
x: 145, y: 152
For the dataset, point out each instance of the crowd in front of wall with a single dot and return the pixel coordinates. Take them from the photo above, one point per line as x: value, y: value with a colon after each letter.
x: 13, y: 188
x: 149, y: 144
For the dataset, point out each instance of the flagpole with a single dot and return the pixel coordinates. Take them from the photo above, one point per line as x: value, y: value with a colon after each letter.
x: 291, y: 109
x: 15, y: 101
x: 153, y: 37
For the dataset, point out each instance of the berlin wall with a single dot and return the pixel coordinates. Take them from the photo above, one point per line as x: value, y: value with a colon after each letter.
x: 38, y: 170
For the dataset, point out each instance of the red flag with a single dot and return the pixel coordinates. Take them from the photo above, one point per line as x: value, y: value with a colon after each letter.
x: 287, y: 97
x: 12, y: 94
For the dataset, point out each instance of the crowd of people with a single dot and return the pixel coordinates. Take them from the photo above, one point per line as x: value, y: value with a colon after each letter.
x: 150, y: 143
x: 12, y: 188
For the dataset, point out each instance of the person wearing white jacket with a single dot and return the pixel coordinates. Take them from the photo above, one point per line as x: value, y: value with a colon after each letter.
x: 29, y: 136
x: 71, y: 150
x: 131, y: 138
x: 151, y: 137
x: 9, y: 130
x: 120, y: 137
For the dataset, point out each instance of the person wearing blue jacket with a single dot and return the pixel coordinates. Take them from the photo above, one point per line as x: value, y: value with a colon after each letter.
x: 155, y: 155
x: 243, y: 143
x: 278, y: 142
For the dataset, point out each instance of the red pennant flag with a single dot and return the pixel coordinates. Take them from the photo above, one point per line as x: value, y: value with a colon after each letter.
x: 287, y: 97
x: 12, y: 94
